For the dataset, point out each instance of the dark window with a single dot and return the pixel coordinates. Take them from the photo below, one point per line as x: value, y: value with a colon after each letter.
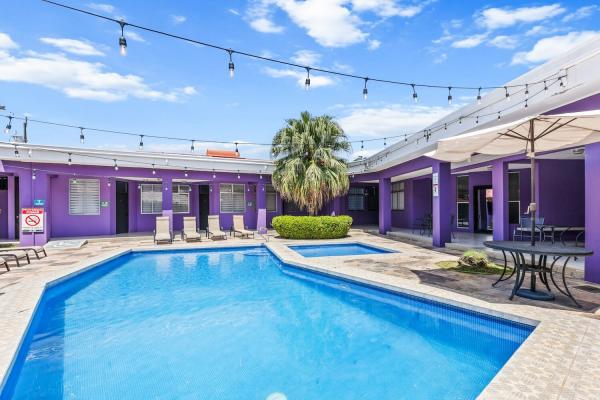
x: 3, y: 183
x: 372, y: 198
x: 462, y: 188
x: 462, y: 201
x: 356, y: 199
x: 462, y: 210
x: 514, y: 197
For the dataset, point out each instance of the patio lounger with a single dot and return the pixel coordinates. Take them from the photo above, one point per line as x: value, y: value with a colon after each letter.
x: 37, y: 250
x: 238, y: 227
x: 162, y: 233
x: 4, y: 263
x: 190, y: 231
x: 214, y: 229
x: 16, y: 255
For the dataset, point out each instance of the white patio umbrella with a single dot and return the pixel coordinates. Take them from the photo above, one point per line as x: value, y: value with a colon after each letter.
x: 537, y: 133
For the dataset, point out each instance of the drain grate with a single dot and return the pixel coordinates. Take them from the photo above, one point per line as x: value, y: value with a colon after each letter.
x: 588, y: 288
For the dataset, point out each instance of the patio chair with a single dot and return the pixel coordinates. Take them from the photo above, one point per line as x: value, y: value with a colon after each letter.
x: 214, y: 229
x: 190, y: 232
x: 4, y: 263
x: 15, y: 255
x: 162, y: 233
x: 239, y: 227
x: 523, y: 231
x: 37, y: 250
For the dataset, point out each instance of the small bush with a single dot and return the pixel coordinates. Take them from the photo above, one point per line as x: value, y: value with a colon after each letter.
x: 303, y: 227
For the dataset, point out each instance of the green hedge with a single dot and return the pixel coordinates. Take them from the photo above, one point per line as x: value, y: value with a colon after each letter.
x: 302, y: 227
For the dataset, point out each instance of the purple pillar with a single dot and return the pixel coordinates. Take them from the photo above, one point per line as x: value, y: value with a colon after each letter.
x: 35, y: 189
x: 592, y: 211
x: 11, y: 209
x: 385, y: 207
x: 441, y: 178
x: 500, y: 200
x: 167, y: 198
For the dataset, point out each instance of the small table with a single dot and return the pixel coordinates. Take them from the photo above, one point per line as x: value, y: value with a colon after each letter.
x: 519, y: 251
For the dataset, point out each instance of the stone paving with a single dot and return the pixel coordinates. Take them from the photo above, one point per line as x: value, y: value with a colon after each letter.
x: 560, y: 360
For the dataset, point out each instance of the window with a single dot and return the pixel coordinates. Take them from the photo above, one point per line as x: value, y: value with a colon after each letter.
x: 271, y: 198
x: 151, y: 198
x: 356, y: 199
x: 462, y: 201
x: 514, y: 197
x: 232, y: 198
x: 398, y: 196
x: 84, y: 196
x: 181, y: 199
x: 3, y: 183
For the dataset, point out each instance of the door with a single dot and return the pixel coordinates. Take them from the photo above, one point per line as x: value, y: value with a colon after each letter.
x: 122, y: 204
x: 483, y: 209
x: 203, y: 206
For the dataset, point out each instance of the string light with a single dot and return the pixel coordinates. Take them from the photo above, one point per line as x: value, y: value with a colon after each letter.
x: 141, y: 142
x: 153, y: 170
x: 560, y: 82
x: 122, y: 40
x: 116, y: 166
x: 29, y: 153
x: 526, y: 105
x: 545, y: 87
x: 192, y: 147
x: 231, y: 65
x: 365, y: 90
x: 185, y: 173
x: 384, y: 142
x: 479, y: 96
x: 526, y: 90
x: 477, y: 120
x: 449, y: 95
x: 307, y: 80
x: 415, y: 96
x: 69, y: 161
x: 362, y: 145
x: 238, y: 174
x: 16, y: 152
x: 81, y: 136
x: 445, y: 126
x: 236, y: 148
x: 499, y: 115
x: 9, y: 125
x: 108, y: 182
x: 506, y: 94
x: 214, y: 175
x: 33, y: 174
x: 166, y: 161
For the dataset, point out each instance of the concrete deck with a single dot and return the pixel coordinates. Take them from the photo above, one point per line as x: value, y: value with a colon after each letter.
x: 560, y: 360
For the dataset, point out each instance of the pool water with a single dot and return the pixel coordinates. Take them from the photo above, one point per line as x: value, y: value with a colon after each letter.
x: 340, y: 249
x: 239, y: 324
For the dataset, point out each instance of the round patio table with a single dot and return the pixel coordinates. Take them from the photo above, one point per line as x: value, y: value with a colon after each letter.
x: 534, y: 259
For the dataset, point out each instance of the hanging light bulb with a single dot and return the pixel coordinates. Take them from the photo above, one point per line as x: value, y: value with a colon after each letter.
x: 33, y: 175
x: 108, y: 182
x: 238, y: 174
x: 506, y: 94
x: 69, y: 162
x: 526, y: 103
x: 415, y: 96
x: 192, y: 148
x: 141, y: 142
x: 460, y: 120
x: 384, y: 142
x: 122, y: 40
x: 231, y: 65
x: 236, y: 148
x: 29, y: 153
x: 449, y: 95
x: 545, y: 86
x: 362, y: 145
x: 166, y: 161
x: 526, y: 90
x: 307, y: 80
x: 214, y: 175
x: 153, y: 170
x: 499, y: 115
x: 365, y: 90
x: 16, y: 152
x: 260, y: 177
x: 477, y: 120
x: 479, y: 96
x: 560, y: 80
x: 9, y: 125
x: 185, y: 173
x: 116, y: 166
x: 445, y: 126
x: 81, y: 136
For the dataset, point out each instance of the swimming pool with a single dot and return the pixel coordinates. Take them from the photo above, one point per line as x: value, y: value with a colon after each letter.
x: 239, y: 324
x: 336, y: 249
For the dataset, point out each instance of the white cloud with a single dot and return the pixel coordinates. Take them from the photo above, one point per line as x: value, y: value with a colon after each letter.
x: 343, y: 67
x: 441, y: 58
x: 332, y: 23
x: 504, y: 42
x: 470, y: 42
x: 306, y: 57
x: 496, y: 18
x: 389, y: 120
x: 373, y: 44
x: 6, y: 43
x: 107, y: 8
x: 178, y: 19
x: 79, y: 79
x: 234, y: 11
x: 548, y: 48
x: 133, y: 35
x: 189, y: 90
x: 316, y: 81
x: 73, y: 46
x: 580, y: 13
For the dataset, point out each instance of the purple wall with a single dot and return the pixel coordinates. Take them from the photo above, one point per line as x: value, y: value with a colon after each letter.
x: 561, y: 192
x: 4, y: 214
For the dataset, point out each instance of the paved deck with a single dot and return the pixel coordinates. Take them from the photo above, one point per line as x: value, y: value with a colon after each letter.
x: 560, y: 360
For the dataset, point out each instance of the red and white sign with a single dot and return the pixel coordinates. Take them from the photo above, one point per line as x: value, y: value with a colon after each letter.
x: 32, y: 220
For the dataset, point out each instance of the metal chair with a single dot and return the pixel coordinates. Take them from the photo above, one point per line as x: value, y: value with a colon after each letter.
x: 523, y: 231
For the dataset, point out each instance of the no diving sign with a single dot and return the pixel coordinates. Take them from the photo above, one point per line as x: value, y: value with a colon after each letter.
x: 32, y: 220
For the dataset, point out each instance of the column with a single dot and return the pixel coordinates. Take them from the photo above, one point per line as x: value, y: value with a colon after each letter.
x: 261, y: 196
x: 592, y: 211
x: 385, y: 206
x: 11, y: 209
x: 38, y: 189
x: 441, y: 203
x: 167, y: 198
x: 500, y: 200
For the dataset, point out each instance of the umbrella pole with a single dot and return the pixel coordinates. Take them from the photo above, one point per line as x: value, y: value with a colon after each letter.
x: 532, y: 204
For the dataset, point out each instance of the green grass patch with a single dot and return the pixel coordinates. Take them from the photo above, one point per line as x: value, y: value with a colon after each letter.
x: 490, y: 269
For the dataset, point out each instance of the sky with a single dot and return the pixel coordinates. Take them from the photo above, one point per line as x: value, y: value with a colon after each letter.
x: 63, y: 66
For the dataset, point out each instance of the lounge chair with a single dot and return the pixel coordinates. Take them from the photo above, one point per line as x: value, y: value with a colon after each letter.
x: 37, y: 250
x: 162, y: 233
x: 190, y: 231
x: 214, y: 229
x: 15, y: 255
x: 240, y: 228
x: 4, y: 263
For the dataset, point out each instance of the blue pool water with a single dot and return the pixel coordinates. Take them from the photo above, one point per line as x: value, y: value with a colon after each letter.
x: 340, y: 249
x: 238, y: 324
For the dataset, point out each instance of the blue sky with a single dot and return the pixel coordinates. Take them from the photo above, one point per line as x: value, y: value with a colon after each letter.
x: 63, y: 66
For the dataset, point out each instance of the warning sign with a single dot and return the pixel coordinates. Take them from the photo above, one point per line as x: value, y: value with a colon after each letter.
x: 32, y: 220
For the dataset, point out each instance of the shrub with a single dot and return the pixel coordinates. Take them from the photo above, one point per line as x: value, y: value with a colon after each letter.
x: 304, y: 227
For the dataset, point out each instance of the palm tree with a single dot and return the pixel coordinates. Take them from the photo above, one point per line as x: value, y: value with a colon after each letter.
x: 309, y: 169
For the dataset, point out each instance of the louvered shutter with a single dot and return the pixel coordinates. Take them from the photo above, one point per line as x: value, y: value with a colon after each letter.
x: 84, y: 196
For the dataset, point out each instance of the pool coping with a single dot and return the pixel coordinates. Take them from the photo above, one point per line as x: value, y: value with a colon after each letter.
x: 549, y: 364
